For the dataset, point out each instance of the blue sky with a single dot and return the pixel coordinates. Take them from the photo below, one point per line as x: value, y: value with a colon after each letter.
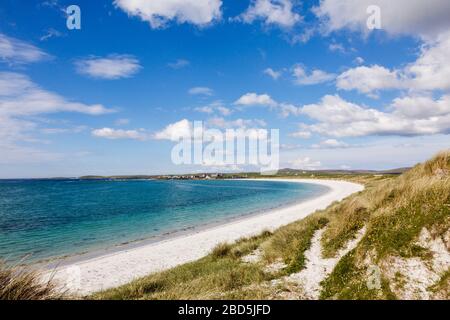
x: 92, y: 101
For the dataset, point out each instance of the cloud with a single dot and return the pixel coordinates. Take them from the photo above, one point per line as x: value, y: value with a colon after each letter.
x: 301, y: 134
x: 185, y: 128
x: 112, y: 67
x: 429, y: 72
x: 222, y: 123
x: 420, y: 107
x: 215, y: 107
x: 331, y: 144
x: 315, y: 77
x: 369, y: 79
x: 21, y: 100
x: 426, y: 19
x: 75, y: 129
x: 13, y: 130
x: 51, y: 33
x: 204, y: 91
x: 288, y: 146
x: 122, y: 122
x: 179, y: 64
x: 305, y: 164
x: 359, y: 60
x: 244, y: 128
x: 382, y: 153
x: 287, y: 109
x: 272, y: 73
x: 205, y: 109
x: 54, y: 4
x: 304, y: 36
x: 254, y: 99
x: 19, y: 96
x: 271, y: 12
x: 337, y: 47
x: 115, y: 134
x: 15, y: 154
x: 160, y: 12
x: 175, y: 131
x: 337, y: 117
x: 14, y: 51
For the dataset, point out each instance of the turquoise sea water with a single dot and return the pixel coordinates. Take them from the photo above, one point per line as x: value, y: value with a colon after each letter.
x: 43, y: 219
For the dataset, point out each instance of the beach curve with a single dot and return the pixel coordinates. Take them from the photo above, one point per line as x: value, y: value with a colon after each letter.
x: 118, y: 268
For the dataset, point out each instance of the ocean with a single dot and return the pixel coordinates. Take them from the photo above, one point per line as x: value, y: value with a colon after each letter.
x: 43, y: 220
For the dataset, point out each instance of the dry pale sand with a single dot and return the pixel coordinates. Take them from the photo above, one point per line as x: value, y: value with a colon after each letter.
x: 118, y: 268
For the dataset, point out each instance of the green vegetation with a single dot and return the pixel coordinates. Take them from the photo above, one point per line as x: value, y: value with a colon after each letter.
x: 348, y: 281
x: 394, y: 210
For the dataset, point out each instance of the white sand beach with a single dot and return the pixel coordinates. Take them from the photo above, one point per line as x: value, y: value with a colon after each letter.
x: 118, y: 268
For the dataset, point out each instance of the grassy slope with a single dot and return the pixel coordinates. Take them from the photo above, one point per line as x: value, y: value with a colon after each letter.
x: 394, y: 210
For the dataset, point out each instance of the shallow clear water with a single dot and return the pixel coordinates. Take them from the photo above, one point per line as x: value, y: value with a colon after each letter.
x: 42, y: 219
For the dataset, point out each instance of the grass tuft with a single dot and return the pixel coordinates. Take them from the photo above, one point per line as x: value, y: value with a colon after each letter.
x: 221, y: 250
x: 18, y: 283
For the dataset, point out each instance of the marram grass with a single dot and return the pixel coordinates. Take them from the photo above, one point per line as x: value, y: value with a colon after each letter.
x: 19, y: 283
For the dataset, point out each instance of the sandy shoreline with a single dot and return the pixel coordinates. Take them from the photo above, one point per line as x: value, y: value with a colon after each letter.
x: 120, y: 267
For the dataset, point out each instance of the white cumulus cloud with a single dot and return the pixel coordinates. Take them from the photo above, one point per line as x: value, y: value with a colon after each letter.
x: 175, y: 131
x: 431, y: 71
x: 271, y: 12
x: 254, y: 99
x: 272, y: 73
x: 115, y: 134
x: 158, y: 13
x: 265, y: 100
x: 111, y: 67
x: 413, y: 17
x: 421, y: 106
x: 215, y: 107
x: 369, y: 79
x: 315, y: 77
x: 337, y: 117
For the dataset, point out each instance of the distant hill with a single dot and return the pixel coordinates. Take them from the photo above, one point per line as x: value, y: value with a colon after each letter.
x: 282, y: 172
x: 343, y: 172
x: 137, y: 177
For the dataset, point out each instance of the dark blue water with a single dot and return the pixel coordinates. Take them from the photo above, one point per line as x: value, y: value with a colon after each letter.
x: 42, y: 219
